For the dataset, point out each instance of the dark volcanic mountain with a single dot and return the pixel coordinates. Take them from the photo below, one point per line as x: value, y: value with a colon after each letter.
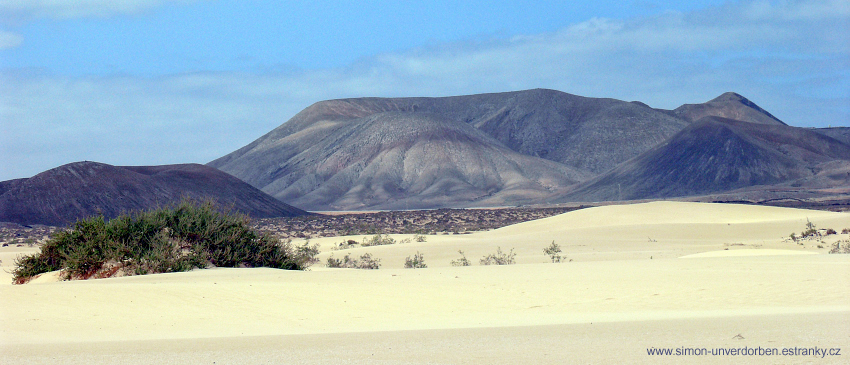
x: 64, y: 194
x: 717, y: 155
x: 340, y: 157
x: 730, y: 106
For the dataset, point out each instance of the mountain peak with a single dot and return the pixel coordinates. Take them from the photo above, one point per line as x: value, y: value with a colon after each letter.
x: 729, y: 105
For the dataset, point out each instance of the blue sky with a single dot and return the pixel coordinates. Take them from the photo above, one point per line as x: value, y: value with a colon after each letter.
x: 142, y: 82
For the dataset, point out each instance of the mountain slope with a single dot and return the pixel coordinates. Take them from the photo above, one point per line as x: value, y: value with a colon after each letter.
x: 728, y: 105
x: 840, y: 133
x: 573, y: 130
x: 435, y: 152
x: 716, y: 155
x: 64, y: 194
x: 340, y: 157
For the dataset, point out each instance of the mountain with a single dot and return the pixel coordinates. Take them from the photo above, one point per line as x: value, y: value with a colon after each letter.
x: 840, y: 133
x: 64, y: 194
x: 479, y: 149
x: 378, y: 154
x: 717, y: 155
x: 573, y: 130
x: 515, y: 148
x: 730, y: 106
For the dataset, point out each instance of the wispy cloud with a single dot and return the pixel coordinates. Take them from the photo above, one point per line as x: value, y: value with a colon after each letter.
x: 23, y: 10
x: 789, y: 57
x: 9, y: 40
x: 14, y: 13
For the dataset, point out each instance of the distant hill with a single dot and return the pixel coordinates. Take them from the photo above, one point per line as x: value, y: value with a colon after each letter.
x: 573, y: 130
x: 730, y: 106
x: 716, y: 155
x: 64, y: 194
x: 339, y: 157
x: 499, y: 149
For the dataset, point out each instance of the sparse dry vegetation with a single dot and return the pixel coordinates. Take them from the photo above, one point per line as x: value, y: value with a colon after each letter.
x: 462, y: 261
x: 842, y: 247
x: 417, y: 262
x: 366, y: 261
x: 499, y: 258
x: 378, y: 240
x: 554, y: 252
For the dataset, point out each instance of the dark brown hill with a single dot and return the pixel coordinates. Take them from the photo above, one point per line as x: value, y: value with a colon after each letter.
x: 717, y: 155
x: 64, y: 194
x: 340, y: 157
x: 728, y: 105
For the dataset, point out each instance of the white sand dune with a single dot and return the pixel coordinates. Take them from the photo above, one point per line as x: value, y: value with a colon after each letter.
x: 626, y: 290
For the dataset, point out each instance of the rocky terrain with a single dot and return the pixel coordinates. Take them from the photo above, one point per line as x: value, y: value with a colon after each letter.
x: 439, y: 221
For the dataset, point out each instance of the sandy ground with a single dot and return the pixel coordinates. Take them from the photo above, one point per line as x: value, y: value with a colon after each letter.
x: 655, y: 275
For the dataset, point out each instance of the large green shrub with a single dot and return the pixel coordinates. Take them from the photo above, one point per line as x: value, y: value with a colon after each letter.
x: 179, y: 238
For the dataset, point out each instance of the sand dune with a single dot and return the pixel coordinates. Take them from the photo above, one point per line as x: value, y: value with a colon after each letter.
x: 647, y: 275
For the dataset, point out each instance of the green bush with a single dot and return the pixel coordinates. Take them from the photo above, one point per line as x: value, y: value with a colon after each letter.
x: 179, y: 238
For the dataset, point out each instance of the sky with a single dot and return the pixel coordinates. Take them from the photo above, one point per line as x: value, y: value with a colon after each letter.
x: 149, y: 82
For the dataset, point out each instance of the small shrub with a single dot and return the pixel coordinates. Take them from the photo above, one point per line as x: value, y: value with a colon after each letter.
x: 307, y: 252
x: 553, y: 251
x: 499, y: 258
x: 462, y: 261
x: 365, y: 262
x: 336, y: 263
x: 345, y: 245
x: 842, y: 247
x: 417, y: 262
x: 811, y: 230
x: 419, y: 238
x: 830, y: 231
x: 845, y: 231
x: 378, y: 240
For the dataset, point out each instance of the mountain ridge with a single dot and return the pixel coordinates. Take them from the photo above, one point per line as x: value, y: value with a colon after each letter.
x: 584, y: 137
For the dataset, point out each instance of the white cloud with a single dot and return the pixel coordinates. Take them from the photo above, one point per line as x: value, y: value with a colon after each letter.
x: 21, y: 10
x: 9, y: 40
x: 790, y: 58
